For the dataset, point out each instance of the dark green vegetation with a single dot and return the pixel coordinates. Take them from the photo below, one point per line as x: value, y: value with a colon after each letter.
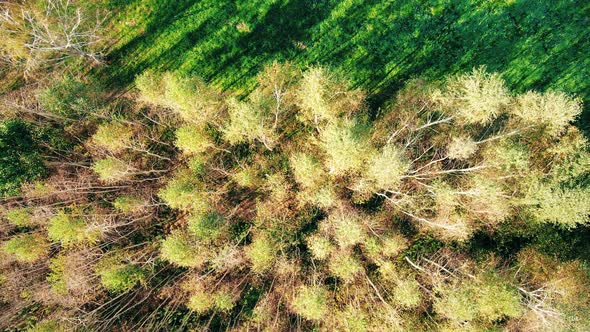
x: 20, y: 158
x: 294, y: 165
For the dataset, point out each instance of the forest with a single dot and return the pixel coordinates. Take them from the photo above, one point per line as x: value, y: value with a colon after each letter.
x: 294, y: 165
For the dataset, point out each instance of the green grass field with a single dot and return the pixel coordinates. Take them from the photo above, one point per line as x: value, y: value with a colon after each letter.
x: 379, y: 44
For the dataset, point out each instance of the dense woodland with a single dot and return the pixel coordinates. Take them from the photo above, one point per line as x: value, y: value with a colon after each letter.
x: 294, y: 165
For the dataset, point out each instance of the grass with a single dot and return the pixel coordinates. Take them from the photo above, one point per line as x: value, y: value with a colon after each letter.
x: 379, y: 44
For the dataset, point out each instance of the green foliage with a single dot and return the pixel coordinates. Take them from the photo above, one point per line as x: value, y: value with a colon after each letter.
x: 27, y: 247
x: 552, y: 111
x: 192, y: 139
x: 113, y: 136
x: 119, y: 276
x: 345, y: 267
x: 325, y: 97
x: 261, y: 253
x: 346, y: 146
x: 201, y: 302
x: 476, y: 98
x: 565, y: 207
x: 70, y: 98
x: 180, y: 249
x: 56, y: 277
x: 488, y: 298
x: 20, y: 217
x: 224, y: 301
x: 195, y: 101
x: 407, y: 292
x: 20, y: 157
x: 325, y: 179
x: 319, y: 246
x: 354, y: 320
x: 307, y: 170
x: 207, y: 226
x: 387, y: 167
x: 310, y: 302
x: 71, y: 230
x: 348, y: 230
x: 247, y: 124
x: 185, y: 192
x: 48, y: 325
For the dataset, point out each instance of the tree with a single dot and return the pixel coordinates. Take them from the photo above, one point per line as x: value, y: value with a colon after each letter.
x: 27, y: 248
x: 195, y: 101
x: 192, y: 140
x: 555, y: 293
x: 20, y: 217
x: 551, y: 112
x: 49, y: 32
x: 345, y: 144
x: 71, y: 278
x: 183, y: 250
x: 486, y: 298
x: 185, y: 192
x: 113, y: 136
x: 307, y: 170
x: 310, y: 302
x: 289, y: 208
x: 476, y: 98
x: 261, y: 253
x: 71, y: 230
x: 325, y: 97
x: 70, y: 99
x: 117, y: 274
